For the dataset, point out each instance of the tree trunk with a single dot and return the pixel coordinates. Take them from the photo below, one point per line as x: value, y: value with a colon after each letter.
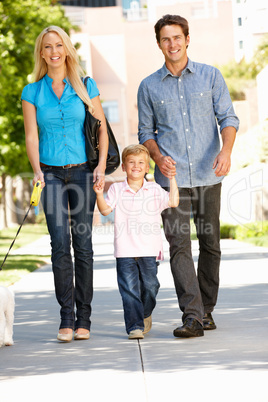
x: 4, y: 200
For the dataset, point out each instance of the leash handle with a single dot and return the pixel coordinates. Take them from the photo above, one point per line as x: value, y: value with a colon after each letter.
x: 35, y: 198
x: 36, y: 194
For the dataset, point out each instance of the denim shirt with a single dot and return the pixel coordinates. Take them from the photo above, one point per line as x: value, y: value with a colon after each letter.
x: 60, y: 121
x: 182, y: 115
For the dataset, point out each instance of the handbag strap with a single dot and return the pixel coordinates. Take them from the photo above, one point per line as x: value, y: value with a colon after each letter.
x: 84, y: 80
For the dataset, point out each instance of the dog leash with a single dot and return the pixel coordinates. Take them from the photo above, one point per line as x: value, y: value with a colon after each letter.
x: 35, y: 198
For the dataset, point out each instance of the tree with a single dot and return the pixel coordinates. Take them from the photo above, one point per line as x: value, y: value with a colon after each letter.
x: 21, y: 21
x: 242, y: 75
x: 20, y: 24
x: 260, y: 58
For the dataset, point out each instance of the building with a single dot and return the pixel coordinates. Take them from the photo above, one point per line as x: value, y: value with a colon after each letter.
x: 250, y: 21
x: 118, y: 48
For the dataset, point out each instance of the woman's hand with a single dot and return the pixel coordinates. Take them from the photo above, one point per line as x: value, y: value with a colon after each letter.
x: 99, y: 174
x: 39, y: 176
x: 98, y: 187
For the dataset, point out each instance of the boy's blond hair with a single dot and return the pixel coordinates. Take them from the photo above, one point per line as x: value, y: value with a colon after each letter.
x: 135, y: 149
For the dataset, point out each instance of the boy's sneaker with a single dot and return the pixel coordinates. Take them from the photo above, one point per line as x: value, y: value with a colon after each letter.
x: 136, y: 334
x: 147, y: 324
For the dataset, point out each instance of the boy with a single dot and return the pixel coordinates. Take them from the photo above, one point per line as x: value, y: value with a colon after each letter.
x: 138, y: 243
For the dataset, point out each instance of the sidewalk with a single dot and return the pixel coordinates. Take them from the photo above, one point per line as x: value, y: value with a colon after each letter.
x: 230, y: 363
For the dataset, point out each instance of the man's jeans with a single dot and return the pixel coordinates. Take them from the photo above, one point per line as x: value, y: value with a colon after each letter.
x: 68, y: 200
x: 138, y: 286
x: 196, y: 294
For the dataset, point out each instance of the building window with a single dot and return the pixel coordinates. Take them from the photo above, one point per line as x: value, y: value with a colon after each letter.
x: 111, y: 111
x: 88, y: 3
x: 241, y: 44
x: 239, y: 21
x: 127, y: 4
x: 132, y: 10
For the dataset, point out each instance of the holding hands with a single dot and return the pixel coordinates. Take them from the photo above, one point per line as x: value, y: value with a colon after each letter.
x: 167, y: 166
x: 98, y: 186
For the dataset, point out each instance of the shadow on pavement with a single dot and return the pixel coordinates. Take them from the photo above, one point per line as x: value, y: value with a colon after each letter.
x: 240, y: 342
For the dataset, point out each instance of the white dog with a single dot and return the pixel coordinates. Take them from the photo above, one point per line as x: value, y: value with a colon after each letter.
x: 7, y: 306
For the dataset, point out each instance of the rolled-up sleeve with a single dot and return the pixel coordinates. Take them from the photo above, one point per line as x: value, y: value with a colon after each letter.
x: 147, y: 126
x: 223, y: 107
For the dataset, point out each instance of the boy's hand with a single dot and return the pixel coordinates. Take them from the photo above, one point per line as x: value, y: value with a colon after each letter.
x: 98, y: 187
x: 167, y: 166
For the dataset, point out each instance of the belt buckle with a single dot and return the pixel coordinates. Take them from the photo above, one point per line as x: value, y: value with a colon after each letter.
x: 66, y: 166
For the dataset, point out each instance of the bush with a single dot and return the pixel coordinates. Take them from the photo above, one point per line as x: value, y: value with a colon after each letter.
x: 228, y: 231
x: 255, y: 230
x: 255, y: 233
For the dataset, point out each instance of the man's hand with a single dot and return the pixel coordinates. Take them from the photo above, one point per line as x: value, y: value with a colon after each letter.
x: 167, y: 166
x: 165, y: 163
x: 222, y: 163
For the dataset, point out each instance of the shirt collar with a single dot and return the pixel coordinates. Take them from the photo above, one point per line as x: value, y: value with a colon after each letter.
x: 127, y: 188
x: 164, y: 71
x: 50, y: 80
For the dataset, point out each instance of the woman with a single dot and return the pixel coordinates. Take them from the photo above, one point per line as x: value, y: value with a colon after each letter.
x: 54, y: 106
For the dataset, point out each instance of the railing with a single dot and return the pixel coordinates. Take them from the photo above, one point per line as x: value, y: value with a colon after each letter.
x: 135, y: 14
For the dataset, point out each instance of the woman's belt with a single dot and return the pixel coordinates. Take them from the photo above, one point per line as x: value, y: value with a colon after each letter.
x: 62, y: 167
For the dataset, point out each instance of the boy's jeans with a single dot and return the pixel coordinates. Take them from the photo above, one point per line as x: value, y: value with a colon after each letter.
x: 138, y: 286
x: 68, y: 200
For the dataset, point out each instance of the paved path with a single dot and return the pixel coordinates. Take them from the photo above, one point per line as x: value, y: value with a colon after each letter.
x: 230, y: 363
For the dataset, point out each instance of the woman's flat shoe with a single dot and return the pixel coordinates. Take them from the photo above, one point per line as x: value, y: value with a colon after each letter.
x: 65, y: 337
x: 81, y: 337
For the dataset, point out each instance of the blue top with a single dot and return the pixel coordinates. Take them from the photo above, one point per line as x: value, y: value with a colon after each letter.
x: 60, y: 121
x: 179, y: 114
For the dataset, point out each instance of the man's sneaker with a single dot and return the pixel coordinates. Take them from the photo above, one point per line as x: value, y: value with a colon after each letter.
x: 208, y: 322
x: 136, y: 334
x: 147, y: 324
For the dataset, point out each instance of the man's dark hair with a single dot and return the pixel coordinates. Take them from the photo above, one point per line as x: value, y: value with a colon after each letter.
x: 171, y: 20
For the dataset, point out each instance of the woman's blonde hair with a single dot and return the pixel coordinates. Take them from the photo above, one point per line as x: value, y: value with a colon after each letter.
x: 135, y: 149
x: 73, y: 69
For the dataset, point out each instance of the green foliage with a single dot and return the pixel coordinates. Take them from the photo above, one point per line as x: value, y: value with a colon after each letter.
x: 228, y: 231
x: 255, y: 229
x: 260, y: 59
x: 152, y: 167
x: 255, y: 233
x: 241, y: 75
x: 21, y: 21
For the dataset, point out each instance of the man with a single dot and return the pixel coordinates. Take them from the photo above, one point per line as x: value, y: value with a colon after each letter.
x: 179, y: 108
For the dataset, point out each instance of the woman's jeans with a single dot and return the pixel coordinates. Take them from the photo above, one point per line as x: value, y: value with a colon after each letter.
x: 138, y: 286
x: 196, y: 293
x: 68, y: 200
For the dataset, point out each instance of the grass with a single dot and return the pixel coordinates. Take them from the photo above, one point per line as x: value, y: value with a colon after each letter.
x: 261, y: 241
x: 16, y: 266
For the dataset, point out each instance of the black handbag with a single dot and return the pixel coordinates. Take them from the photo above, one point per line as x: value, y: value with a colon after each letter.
x: 91, y: 128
